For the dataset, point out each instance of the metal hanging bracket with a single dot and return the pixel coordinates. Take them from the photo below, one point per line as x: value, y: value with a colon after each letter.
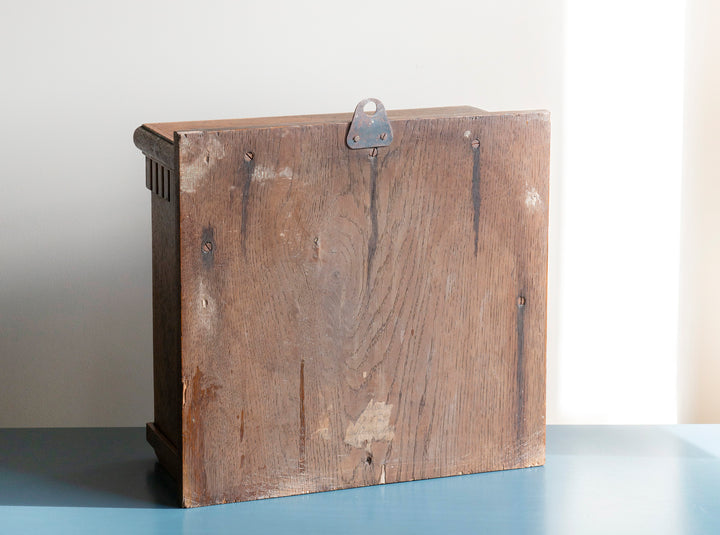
x: 369, y: 129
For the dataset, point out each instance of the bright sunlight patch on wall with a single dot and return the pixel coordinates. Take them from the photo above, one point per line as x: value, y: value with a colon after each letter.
x: 621, y: 211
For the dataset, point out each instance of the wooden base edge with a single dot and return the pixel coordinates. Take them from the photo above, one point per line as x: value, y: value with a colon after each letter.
x: 167, y: 454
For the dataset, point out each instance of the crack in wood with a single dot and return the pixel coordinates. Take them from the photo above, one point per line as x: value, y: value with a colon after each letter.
x: 301, y: 460
x: 476, y: 193
x: 372, y: 242
x: 248, y: 169
x: 520, y: 374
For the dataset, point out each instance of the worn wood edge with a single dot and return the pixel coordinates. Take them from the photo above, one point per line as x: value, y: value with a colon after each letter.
x: 545, y: 115
x: 155, y: 146
x: 183, y: 480
x: 535, y: 462
x: 167, y: 130
x: 166, y: 453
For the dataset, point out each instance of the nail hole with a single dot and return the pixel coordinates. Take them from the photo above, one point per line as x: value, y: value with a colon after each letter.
x: 520, y: 301
x: 475, y: 143
x: 370, y: 108
x: 249, y: 156
x: 207, y: 247
x: 369, y: 459
x: 207, y: 158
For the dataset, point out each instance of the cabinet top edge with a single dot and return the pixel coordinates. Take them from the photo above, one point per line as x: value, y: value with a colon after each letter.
x: 167, y: 130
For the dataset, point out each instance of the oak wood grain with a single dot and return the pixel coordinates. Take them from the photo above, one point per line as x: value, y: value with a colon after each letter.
x: 349, y: 320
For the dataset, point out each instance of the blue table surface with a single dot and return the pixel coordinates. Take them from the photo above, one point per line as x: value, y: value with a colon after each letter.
x: 597, y: 479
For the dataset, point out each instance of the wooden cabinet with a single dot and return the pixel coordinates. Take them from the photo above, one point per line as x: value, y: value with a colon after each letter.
x: 327, y: 317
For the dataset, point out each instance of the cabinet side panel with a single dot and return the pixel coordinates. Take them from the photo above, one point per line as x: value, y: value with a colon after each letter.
x: 166, y: 313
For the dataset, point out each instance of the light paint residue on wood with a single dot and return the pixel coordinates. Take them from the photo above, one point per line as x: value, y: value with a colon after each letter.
x: 449, y: 284
x: 532, y: 198
x: 373, y: 425
x: 196, y: 170
x: 262, y: 172
x: 481, y: 310
x: 207, y: 312
x: 323, y: 431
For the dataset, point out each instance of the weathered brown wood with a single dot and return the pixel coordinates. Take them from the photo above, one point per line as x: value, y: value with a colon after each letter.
x: 154, y: 146
x: 167, y: 453
x: 167, y: 130
x: 166, y: 321
x: 349, y: 320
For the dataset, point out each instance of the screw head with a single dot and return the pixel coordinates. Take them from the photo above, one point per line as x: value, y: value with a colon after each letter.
x: 475, y: 143
x: 207, y: 247
x: 249, y: 156
x: 383, y: 136
x: 356, y: 139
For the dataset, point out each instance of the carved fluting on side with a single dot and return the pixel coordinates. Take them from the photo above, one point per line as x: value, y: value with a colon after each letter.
x: 158, y: 178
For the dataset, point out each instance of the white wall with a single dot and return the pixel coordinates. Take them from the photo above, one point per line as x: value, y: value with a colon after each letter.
x: 78, y: 77
x: 699, y: 355
x: 620, y: 212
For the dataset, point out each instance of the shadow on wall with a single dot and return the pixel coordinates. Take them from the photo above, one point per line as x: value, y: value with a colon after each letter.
x: 76, y: 350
